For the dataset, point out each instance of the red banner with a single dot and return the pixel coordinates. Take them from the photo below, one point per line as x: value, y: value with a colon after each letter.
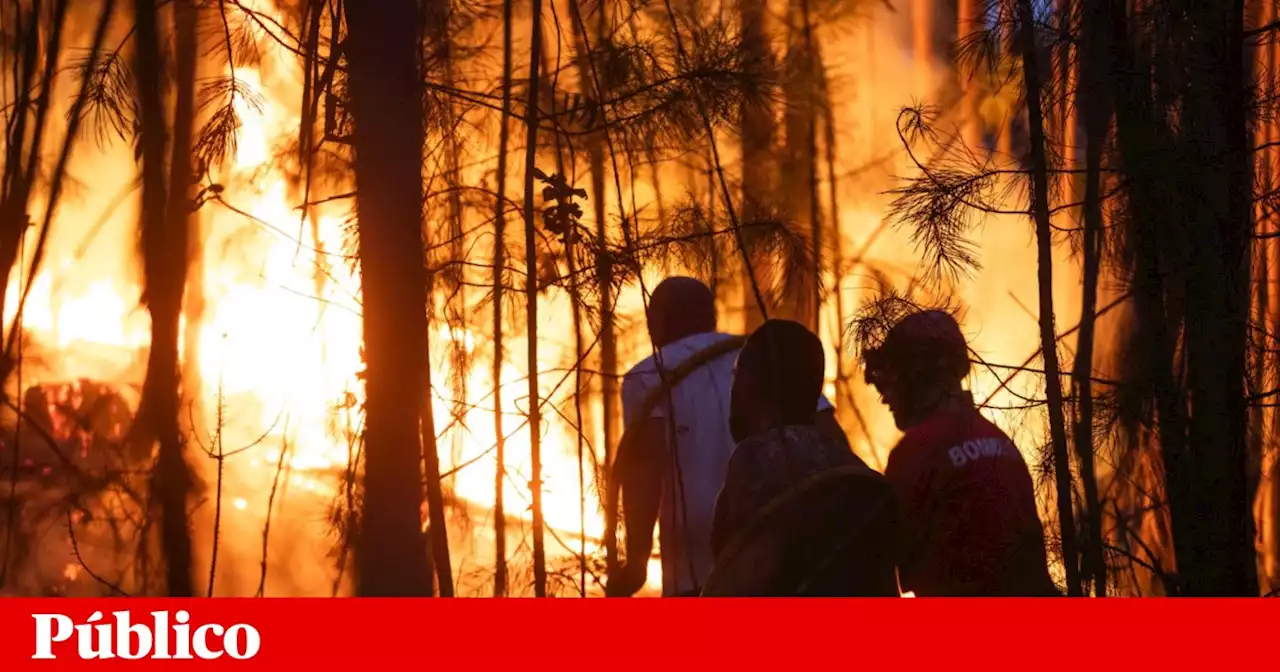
x: 662, y: 635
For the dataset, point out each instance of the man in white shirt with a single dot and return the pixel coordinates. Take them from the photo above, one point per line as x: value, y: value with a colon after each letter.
x: 678, y: 480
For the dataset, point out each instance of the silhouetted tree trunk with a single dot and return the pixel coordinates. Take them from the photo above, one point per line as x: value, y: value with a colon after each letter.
x: 610, y: 394
x: 966, y: 24
x: 758, y: 166
x: 595, y: 84
x: 1267, y: 514
x: 25, y: 124
x: 799, y: 171
x: 25, y: 97
x: 531, y: 300
x: 499, y: 275
x: 1004, y: 132
x: 165, y: 214
x: 1097, y: 119
x: 438, y: 39
x: 1221, y: 561
x: 1044, y: 253
x: 1269, y: 520
x: 1146, y: 151
x: 186, y: 21
x: 1260, y: 378
x: 386, y: 106
x: 1189, y: 186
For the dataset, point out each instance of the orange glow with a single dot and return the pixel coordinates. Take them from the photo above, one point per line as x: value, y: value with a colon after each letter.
x: 278, y: 345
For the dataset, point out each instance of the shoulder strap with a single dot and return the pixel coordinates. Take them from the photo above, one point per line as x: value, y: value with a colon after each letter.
x: 673, y: 377
x: 668, y: 379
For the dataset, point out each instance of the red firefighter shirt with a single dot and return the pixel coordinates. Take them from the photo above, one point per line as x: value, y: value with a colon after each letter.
x: 969, y: 508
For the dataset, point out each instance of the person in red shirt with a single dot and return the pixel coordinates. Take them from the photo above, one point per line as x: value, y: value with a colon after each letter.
x: 965, y: 494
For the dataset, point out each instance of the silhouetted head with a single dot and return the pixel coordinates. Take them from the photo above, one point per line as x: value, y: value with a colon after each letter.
x: 680, y: 307
x: 777, y: 379
x: 922, y: 361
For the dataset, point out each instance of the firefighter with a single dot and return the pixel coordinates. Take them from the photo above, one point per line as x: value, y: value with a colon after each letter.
x: 964, y: 491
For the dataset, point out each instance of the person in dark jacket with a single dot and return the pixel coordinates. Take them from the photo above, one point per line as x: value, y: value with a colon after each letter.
x: 799, y: 513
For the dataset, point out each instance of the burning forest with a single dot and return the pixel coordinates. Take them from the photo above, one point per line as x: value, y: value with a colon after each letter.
x: 339, y: 297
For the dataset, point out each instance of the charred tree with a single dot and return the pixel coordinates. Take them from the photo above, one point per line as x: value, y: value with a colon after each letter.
x: 799, y: 175
x: 1097, y: 120
x: 597, y: 86
x: 1267, y: 500
x: 499, y: 276
x: 966, y: 24
x: 1146, y: 146
x: 1221, y: 560
x: 758, y: 166
x: 386, y: 105
x: 439, y: 57
x: 166, y: 210
x: 182, y: 179
x: 531, y: 300
x: 1183, y: 140
x: 1044, y: 254
x: 610, y: 392
x: 30, y: 105
x: 33, y: 97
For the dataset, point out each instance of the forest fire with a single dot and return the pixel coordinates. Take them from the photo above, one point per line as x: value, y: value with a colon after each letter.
x: 925, y: 201
x: 279, y: 338
x: 278, y: 346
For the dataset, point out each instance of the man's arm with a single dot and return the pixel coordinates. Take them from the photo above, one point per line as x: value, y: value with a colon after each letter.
x: 638, y: 468
x: 641, y: 479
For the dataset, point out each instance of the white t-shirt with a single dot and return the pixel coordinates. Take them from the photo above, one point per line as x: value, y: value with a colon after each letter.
x: 703, y: 446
